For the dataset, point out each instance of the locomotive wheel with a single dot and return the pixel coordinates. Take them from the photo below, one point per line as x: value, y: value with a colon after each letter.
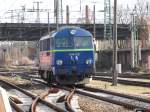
x: 41, y: 74
x: 50, y: 77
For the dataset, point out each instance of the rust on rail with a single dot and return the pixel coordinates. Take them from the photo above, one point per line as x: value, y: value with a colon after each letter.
x: 42, y: 96
x: 68, y: 100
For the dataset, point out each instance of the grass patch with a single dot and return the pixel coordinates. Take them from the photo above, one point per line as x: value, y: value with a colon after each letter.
x: 15, y: 80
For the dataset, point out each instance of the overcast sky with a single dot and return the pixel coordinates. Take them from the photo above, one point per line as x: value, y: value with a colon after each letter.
x: 7, y: 5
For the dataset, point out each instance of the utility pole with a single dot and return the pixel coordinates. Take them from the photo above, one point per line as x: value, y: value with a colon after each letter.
x: 115, y: 72
x: 56, y: 13
x: 86, y: 14
x: 61, y: 12
x: 80, y: 6
x: 132, y: 42
x: 81, y: 17
x: 94, y: 29
x: 48, y: 24
x: 67, y: 14
x: 22, y: 17
x: 38, y: 12
x: 12, y: 19
x: 18, y: 17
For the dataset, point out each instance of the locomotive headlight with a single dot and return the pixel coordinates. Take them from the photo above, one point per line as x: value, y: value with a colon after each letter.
x: 89, y: 61
x: 59, y: 62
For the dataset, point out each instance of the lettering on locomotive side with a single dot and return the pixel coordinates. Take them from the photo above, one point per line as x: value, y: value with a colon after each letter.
x: 74, y: 54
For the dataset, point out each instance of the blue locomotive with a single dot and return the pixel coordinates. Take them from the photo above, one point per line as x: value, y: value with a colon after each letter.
x: 66, y: 56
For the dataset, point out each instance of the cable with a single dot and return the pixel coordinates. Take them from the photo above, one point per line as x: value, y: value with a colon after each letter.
x: 12, y: 4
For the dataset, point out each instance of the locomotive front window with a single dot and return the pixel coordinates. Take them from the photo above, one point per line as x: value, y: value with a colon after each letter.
x: 83, y: 42
x: 62, y: 42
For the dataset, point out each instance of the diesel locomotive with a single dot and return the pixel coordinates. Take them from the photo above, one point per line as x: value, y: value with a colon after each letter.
x: 66, y: 56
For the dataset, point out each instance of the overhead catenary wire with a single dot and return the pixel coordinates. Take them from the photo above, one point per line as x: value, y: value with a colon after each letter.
x: 64, y: 2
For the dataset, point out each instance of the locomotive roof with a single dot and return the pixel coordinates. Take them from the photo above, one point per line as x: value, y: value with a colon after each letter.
x: 67, y: 32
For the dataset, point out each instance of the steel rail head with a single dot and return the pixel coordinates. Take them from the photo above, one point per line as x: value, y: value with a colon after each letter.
x: 16, y: 100
x: 58, y: 109
x: 14, y: 105
x: 42, y: 96
x: 68, y: 100
x: 117, y: 94
x: 18, y: 88
x: 127, y: 105
x: 131, y: 106
x: 34, y: 103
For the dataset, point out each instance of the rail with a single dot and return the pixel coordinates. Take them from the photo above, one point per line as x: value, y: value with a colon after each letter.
x: 68, y: 100
x: 52, y: 106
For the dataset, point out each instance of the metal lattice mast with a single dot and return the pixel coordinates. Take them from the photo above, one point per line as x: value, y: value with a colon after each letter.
x: 107, y: 20
x: 134, y: 43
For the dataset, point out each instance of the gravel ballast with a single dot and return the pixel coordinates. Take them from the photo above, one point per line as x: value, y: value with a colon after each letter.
x: 91, y: 105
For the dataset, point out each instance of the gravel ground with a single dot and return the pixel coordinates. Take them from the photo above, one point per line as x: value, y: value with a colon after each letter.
x: 26, y: 84
x: 38, y: 89
x: 91, y: 105
x: 142, y: 92
x: 17, y: 80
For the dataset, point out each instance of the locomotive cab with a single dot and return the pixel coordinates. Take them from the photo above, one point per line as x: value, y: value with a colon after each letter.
x: 74, y: 63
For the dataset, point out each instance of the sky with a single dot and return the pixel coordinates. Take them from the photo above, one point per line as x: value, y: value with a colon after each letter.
x: 74, y: 5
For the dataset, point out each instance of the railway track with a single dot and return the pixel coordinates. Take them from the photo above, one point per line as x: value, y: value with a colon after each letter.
x: 68, y: 101
x: 24, y: 75
x: 126, y: 75
x: 37, y: 101
x: 127, y: 101
x: 124, y: 81
x: 127, y: 81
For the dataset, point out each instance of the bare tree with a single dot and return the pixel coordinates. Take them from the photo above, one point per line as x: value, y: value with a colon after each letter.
x: 123, y: 15
x: 143, y: 15
x: 142, y: 12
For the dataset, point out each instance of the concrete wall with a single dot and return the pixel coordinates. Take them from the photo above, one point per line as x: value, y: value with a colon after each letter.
x: 104, y: 61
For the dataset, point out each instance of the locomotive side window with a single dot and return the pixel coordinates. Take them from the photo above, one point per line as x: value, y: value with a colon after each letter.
x: 41, y: 45
x: 82, y: 42
x: 51, y: 43
x: 44, y: 45
x: 48, y: 44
